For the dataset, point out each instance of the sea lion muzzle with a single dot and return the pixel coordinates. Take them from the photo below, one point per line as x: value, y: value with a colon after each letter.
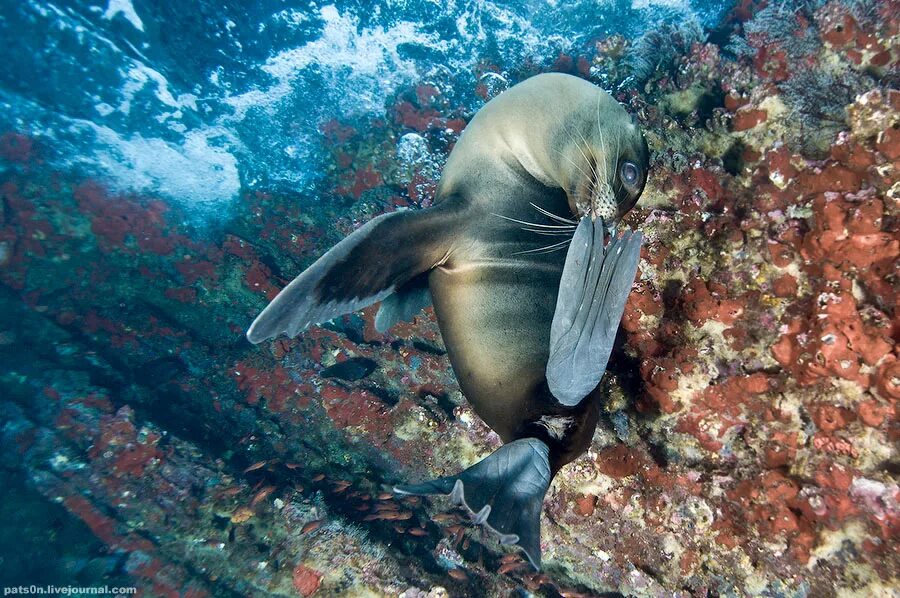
x: 528, y: 325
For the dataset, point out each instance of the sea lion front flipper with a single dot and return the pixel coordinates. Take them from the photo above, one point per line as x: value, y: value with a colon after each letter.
x: 504, y: 492
x: 367, y: 266
x: 404, y: 303
x: 595, y: 284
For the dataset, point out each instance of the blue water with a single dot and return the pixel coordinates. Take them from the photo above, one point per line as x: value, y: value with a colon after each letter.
x: 195, y: 101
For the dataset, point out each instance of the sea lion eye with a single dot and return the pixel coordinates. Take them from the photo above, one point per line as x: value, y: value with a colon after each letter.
x: 629, y: 172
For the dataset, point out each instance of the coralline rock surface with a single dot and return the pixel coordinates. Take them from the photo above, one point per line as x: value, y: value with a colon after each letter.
x: 748, y: 444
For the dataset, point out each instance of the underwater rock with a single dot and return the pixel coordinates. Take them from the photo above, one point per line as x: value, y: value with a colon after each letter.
x: 751, y: 444
x: 748, y: 118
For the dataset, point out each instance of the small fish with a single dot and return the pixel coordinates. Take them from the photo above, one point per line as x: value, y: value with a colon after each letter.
x: 399, y: 529
x: 386, y: 496
x: 510, y: 558
x: 318, y: 477
x: 261, y: 495
x: 507, y: 567
x: 362, y: 507
x: 458, y: 574
x: 292, y: 465
x: 404, y: 515
x: 311, y: 526
x: 255, y: 466
x: 372, y: 517
x: 453, y: 529
x: 241, y: 515
x: 418, y: 531
x: 230, y: 491
x: 340, y: 486
x: 444, y: 517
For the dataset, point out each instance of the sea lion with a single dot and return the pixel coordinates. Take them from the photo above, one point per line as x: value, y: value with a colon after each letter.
x: 527, y: 292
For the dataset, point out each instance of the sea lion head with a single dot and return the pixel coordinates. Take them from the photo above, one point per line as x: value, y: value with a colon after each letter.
x: 607, y: 161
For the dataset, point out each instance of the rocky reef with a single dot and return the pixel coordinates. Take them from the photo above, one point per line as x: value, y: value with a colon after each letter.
x: 748, y: 443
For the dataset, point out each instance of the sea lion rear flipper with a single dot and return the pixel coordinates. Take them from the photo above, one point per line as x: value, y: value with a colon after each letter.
x: 595, y: 284
x: 404, y: 303
x: 367, y: 266
x: 504, y: 492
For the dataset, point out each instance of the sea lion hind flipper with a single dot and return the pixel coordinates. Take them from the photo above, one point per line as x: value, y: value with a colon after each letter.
x: 367, y: 266
x: 594, y: 286
x: 404, y: 303
x: 504, y: 492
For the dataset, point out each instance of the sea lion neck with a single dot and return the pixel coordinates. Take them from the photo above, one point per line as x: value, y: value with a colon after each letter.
x: 525, y: 130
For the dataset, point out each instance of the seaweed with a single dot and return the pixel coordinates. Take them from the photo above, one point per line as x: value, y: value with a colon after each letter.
x: 658, y: 49
x: 819, y: 94
x: 778, y: 23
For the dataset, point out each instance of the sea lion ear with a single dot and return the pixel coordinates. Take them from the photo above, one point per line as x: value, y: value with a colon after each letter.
x: 367, y: 266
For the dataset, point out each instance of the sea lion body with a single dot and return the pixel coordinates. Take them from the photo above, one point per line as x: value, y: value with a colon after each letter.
x: 526, y: 289
x: 484, y: 292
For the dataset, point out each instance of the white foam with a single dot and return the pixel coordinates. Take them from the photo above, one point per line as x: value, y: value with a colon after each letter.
x: 362, y: 66
x: 198, y: 171
x: 124, y: 8
x: 177, y: 151
x: 104, y: 109
x: 290, y: 16
x: 646, y: 4
x: 139, y: 76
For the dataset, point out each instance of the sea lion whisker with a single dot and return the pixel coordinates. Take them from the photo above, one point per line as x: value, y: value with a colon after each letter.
x: 616, y: 155
x: 572, y: 162
x: 550, y: 214
x: 602, y: 142
x: 578, y: 146
x: 558, y: 233
x: 588, y: 145
x: 548, y: 233
x: 594, y: 164
x: 535, y: 224
x: 604, y: 175
x: 583, y: 155
x: 547, y: 249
